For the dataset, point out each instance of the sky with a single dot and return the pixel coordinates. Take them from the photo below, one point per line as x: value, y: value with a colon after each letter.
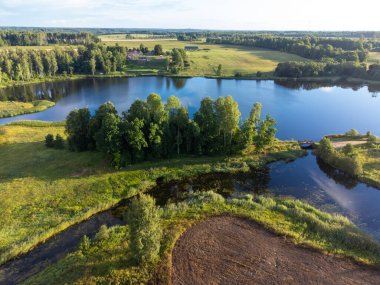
x: 196, y: 14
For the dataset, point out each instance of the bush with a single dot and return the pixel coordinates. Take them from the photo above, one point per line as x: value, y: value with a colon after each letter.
x: 352, y: 133
x: 59, y: 142
x: 259, y: 74
x: 49, y: 140
x: 349, y: 150
x: 372, y: 139
x: 145, y: 229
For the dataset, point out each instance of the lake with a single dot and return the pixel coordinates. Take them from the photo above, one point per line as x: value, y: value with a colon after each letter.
x: 303, y: 111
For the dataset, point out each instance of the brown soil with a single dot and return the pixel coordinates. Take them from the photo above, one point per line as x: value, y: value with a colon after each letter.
x: 231, y: 250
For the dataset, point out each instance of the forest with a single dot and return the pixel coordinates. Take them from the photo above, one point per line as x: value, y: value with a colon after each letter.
x: 328, y: 69
x: 17, y: 38
x: 151, y: 130
x: 309, y: 47
x: 25, y: 65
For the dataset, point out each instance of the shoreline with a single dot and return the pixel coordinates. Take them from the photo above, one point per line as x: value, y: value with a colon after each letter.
x: 332, y: 80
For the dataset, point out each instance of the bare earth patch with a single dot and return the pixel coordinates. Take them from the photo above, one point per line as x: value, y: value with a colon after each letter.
x: 231, y: 250
x: 340, y: 144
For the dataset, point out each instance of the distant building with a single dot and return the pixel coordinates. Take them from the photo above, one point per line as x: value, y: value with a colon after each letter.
x: 134, y: 54
x: 191, y: 48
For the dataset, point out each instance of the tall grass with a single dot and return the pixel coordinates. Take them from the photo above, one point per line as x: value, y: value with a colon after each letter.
x: 12, y: 108
x: 109, y: 260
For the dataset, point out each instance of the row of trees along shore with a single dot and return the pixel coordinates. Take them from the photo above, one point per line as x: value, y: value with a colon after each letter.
x: 315, y: 48
x: 26, y: 65
x: 22, y: 38
x: 151, y: 129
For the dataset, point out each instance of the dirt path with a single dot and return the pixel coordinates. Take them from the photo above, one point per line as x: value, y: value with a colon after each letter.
x: 230, y: 250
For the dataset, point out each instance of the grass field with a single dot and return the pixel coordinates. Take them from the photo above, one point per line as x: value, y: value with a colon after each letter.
x: 233, y: 59
x: 374, y: 57
x: 12, y: 108
x: 108, y: 259
x: 43, y: 191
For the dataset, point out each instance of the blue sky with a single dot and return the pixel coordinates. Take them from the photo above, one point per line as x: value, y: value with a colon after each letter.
x: 203, y: 14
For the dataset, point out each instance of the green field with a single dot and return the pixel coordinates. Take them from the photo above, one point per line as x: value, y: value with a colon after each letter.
x: 108, y: 259
x: 12, y: 108
x: 43, y: 190
x: 204, y: 62
x: 374, y: 57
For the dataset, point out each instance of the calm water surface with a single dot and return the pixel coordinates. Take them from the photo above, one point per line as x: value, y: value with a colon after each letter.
x: 301, y: 113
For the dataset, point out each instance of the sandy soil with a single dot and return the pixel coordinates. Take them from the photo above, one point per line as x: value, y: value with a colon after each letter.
x: 340, y: 144
x: 230, y: 250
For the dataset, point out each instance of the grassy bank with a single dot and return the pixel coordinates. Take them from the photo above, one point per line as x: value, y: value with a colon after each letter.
x: 9, y: 83
x: 43, y: 191
x: 108, y: 259
x: 368, y: 154
x: 12, y: 108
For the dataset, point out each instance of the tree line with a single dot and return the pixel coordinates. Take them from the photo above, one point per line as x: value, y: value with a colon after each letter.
x: 25, y: 38
x: 308, y: 47
x: 25, y: 65
x: 151, y: 129
x: 314, y: 69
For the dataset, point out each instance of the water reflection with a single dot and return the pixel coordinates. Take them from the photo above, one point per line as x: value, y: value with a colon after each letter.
x: 311, y: 85
x: 300, y: 113
x: 306, y: 178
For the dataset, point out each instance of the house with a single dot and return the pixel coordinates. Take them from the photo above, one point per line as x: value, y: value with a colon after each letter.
x: 191, y: 48
x: 134, y: 54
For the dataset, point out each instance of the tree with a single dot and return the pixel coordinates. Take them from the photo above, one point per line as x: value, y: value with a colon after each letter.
x: 49, y: 141
x: 145, y: 229
x: 219, y: 70
x: 158, y: 50
x: 156, y: 109
x: 208, y: 126
x: 251, y: 125
x: 108, y: 137
x: 232, y: 118
x: 133, y: 137
x: 59, y: 142
x: 266, y: 133
x: 77, y: 129
x: 92, y: 65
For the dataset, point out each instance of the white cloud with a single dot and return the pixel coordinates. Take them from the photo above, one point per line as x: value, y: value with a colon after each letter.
x: 209, y: 14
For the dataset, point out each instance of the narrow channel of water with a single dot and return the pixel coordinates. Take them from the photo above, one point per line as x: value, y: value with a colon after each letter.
x: 306, y: 178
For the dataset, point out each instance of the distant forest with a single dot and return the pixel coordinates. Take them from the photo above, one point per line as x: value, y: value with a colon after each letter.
x: 200, y: 33
x: 18, y: 38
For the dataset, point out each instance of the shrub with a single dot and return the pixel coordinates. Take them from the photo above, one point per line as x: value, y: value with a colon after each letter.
x: 372, y: 139
x: 145, y: 229
x: 85, y: 244
x: 259, y: 74
x: 49, y: 140
x: 238, y: 74
x: 352, y: 133
x: 59, y: 142
x: 349, y: 150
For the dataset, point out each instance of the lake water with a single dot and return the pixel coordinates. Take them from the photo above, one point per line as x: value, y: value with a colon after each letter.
x: 303, y: 111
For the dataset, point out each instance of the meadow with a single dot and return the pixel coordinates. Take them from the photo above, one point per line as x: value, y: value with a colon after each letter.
x: 108, y: 260
x: 205, y: 61
x: 374, y: 57
x: 13, y: 108
x: 43, y: 191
